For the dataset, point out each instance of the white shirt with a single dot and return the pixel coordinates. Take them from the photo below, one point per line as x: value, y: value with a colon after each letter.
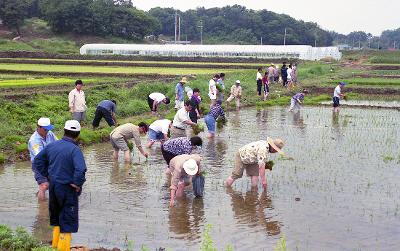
x: 161, y: 125
x: 259, y: 76
x: 212, y: 89
x: 289, y: 73
x: 181, y: 116
x: 156, y: 96
x: 336, y: 93
x: 77, y: 101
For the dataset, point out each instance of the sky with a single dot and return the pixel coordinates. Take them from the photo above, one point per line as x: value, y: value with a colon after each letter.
x: 343, y: 16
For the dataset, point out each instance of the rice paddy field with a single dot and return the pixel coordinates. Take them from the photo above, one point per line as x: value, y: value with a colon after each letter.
x: 339, y: 192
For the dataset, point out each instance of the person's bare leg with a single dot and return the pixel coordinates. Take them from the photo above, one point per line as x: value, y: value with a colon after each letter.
x: 181, y: 188
x: 127, y: 156
x: 115, y: 154
x: 229, y: 181
x: 211, y: 135
x: 254, y: 181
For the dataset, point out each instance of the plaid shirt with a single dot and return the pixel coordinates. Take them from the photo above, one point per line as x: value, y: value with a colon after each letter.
x: 216, y: 111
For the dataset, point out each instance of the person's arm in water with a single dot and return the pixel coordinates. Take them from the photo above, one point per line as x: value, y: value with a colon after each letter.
x: 114, y: 117
x: 140, y: 148
x: 40, y: 167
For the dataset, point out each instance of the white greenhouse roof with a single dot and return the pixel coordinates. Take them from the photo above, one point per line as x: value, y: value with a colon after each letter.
x: 305, y: 52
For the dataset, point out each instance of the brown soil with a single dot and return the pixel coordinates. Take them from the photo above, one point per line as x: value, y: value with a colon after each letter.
x: 384, y: 67
x: 45, y: 55
x: 127, y: 63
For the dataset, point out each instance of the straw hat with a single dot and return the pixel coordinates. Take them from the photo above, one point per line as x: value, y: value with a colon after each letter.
x: 183, y: 80
x: 277, y: 144
x: 190, y: 166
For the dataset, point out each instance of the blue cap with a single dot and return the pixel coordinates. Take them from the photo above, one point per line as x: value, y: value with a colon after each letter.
x: 342, y: 83
x: 45, y: 123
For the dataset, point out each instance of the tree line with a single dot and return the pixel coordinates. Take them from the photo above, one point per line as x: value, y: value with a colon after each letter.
x: 229, y: 25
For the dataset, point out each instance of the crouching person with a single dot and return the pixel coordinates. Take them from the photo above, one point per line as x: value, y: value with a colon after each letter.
x: 182, y: 168
x: 253, y: 157
x: 63, y: 164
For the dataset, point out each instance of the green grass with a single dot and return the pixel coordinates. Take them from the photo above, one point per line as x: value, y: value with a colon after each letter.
x: 18, y: 240
x: 9, y: 45
x: 46, y: 81
x: 109, y: 69
x: 385, y: 57
x: 369, y: 81
x: 55, y: 45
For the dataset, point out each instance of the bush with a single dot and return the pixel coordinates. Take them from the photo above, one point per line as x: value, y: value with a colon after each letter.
x: 19, y: 240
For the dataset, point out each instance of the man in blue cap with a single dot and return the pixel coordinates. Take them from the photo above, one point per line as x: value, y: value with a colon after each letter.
x: 337, y: 95
x: 63, y: 164
x: 39, y: 139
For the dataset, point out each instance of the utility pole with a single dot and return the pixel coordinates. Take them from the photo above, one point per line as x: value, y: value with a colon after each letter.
x: 284, y: 38
x: 394, y: 45
x: 201, y: 31
x: 315, y: 42
x: 379, y: 40
x: 261, y: 41
x: 179, y: 28
x: 176, y: 23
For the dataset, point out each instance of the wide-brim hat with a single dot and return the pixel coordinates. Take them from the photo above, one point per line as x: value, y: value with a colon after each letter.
x: 190, y: 166
x: 183, y: 80
x: 277, y: 144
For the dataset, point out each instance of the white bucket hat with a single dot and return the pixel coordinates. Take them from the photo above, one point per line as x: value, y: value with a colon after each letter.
x: 190, y: 166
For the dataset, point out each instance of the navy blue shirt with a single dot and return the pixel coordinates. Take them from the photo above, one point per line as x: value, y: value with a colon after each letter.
x: 62, y: 162
x: 108, y: 105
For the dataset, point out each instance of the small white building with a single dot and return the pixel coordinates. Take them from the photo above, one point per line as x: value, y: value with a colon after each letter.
x: 304, y: 52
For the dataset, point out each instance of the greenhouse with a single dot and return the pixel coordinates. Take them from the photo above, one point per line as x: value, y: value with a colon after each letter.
x: 304, y: 52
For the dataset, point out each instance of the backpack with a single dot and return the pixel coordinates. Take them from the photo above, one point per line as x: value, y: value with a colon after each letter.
x: 198, y: 185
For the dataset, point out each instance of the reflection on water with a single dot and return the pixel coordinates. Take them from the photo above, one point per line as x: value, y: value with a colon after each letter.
x: 339, y: 193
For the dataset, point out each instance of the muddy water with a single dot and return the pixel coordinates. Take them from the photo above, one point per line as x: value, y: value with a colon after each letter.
x: 341, y: 192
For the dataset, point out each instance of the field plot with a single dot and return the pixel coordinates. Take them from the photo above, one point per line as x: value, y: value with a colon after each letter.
x: 105, y: 69
x: 339, y: 192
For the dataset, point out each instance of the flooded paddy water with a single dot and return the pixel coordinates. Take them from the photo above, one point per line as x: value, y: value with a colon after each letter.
x: 341, y: 191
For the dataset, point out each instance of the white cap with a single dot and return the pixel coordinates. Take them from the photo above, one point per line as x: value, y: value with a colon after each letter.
x: 237, y: 82
x: 45, y: 123
x: 190, y: 167
x: 72, y: 125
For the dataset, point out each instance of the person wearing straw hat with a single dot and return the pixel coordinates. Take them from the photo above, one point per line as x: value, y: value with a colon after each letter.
x: 63, y: 163
x: 180, y: 93
x: 253, y: 157
x: 182, y: 168
x: 39, y: 139
x: 236, y: 93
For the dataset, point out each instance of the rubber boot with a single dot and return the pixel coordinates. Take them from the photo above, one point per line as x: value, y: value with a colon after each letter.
x: 56, y: 237
x: 68, y: 237
x: 61, y: 242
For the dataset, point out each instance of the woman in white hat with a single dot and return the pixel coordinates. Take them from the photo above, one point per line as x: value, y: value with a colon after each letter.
x: 182, y: 168
x: 253, y: 157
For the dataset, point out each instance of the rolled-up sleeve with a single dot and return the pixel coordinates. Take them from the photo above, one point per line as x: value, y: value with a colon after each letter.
x: 79, y: 167
x: 40, y: 166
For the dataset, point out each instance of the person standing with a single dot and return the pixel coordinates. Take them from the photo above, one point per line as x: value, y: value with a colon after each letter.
x: 289, y: 72
x: 265, y: 85
x: 119, y: 139
x: 212, y: 89
x: 155, y: 99
x: 211, y: 118
x: 337, y: 94
x: 297, y: 99
x: 221, y: 86
x: 259, y: 81
x: 63, y: 164
x: 271, y: 74
x: 105, y: 109
x: 182, y: 168
x: 158, y: 131
x: 276, y: 74
x: 194, y: 114
x: 39, y: 139
x: 253, y: 158
x: 294, y: 73
x: 236, y: 93
x: 77, y: 102
x: 284, y: 74
x: 179, y: 146
x: 182, y: 120
x: 180, y: 93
